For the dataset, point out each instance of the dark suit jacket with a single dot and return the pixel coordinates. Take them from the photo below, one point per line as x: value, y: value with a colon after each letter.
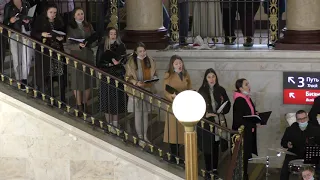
x: 298, y: 138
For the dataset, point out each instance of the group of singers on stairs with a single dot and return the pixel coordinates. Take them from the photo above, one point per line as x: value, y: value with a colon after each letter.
x: 136, y: 69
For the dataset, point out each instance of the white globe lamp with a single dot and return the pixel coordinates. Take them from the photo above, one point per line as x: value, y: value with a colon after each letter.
x: 189, y: 107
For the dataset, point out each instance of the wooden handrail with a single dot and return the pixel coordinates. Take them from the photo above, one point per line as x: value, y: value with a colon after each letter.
x: 234, y: 157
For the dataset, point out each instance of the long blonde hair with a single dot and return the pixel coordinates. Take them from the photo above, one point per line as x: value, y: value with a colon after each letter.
x: 107, y: 38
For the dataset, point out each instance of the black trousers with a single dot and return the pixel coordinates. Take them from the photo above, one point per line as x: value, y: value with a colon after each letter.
x: 246, y: 10
x: 285, y: 174
x: 211, y: 159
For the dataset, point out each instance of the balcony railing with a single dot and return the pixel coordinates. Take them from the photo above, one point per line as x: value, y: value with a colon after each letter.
x: 227, y: 21
x: 55, y: 76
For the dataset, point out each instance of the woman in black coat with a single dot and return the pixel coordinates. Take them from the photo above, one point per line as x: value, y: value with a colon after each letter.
x: 244, y: 106
x: 110, y: 59
x: 47, y: 68
x: 314, y: 111
x: 214, y: 95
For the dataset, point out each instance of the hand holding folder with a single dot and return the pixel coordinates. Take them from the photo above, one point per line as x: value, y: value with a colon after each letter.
x: 171, y: 90
x: 151, y: 80
x: 262, y: 118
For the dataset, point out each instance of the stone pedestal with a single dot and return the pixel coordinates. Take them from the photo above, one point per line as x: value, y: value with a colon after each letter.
x: 303, y: 26
x: 145, y: 24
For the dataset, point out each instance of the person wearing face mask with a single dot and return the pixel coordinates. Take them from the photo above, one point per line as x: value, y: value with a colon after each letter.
x: 140, y: 67
x: 80, y: 82
x: 244, y: 106
x: 214, y: 95
x: 295, y: 139
x: 177, y: 77
x: 308, y: 173
x: 49, y: 69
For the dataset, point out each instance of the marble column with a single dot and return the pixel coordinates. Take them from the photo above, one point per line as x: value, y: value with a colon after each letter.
x: 145, y: 24
x: 303, y: 26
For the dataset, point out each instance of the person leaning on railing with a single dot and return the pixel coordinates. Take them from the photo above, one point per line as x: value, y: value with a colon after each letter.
x: 178, y: 78
x: 80, y: 82
x: 49, y: 69
x: 15, y: 16
x: 214, y: 95
x: 109, y: 58
x: 243, y: 106
x: 140, y: 67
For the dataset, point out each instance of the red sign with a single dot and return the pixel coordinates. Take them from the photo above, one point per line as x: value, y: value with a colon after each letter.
x: 299, y: 96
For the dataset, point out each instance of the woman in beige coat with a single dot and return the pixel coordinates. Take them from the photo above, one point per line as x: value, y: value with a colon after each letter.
x: 178, y: 78
x: 140, y: 68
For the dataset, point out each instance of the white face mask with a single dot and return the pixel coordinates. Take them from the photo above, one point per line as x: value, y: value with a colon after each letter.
x: 79, y: 21
x: 142, y: 57
x: 246, y: 93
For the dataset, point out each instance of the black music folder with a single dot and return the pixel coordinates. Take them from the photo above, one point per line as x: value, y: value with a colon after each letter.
x: 262, y: 118
x: 151, y: 80
x: 171, y: 90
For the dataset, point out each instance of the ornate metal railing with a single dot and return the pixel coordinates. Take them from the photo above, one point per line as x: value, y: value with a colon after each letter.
x: 56, y: 77
x: 218, y: 21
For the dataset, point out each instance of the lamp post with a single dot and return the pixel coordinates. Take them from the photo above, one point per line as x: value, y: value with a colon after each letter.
x: 189, y: 107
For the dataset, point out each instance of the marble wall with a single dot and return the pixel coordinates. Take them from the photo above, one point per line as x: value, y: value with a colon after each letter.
x: 36, y: 146
x: 263, y: 69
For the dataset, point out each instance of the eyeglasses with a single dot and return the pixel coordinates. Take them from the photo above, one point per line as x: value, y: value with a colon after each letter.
x: 303, y: 118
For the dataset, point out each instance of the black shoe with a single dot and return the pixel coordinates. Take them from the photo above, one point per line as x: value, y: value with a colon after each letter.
x: 228, y: 42
x: 80, y: 110
x: 248, y: 43
x: 23, y: 84
x: 183, y: 42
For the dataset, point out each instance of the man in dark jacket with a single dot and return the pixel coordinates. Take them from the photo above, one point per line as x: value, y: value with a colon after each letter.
x: 295, y: 139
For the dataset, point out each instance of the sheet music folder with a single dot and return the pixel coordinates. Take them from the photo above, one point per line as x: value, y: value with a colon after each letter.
x: 262, y: 118
x: 151, y: 80
x: 222, y: 107
x: 171, y: 90
x: 31, y: 11
x: 58, y: 33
